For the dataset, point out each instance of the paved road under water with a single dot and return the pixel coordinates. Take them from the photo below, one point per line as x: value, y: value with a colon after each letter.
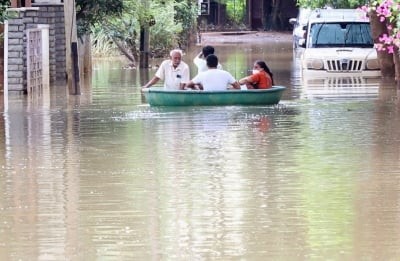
x: 103, y: 176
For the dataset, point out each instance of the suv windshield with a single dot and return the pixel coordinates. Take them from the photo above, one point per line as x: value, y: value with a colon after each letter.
x: 341, y: 34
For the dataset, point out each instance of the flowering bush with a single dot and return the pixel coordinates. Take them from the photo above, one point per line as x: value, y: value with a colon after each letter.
x: 387, y: 12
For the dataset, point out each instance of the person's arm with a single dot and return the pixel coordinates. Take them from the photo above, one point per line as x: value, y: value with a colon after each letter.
x: 233, y: 82
x: 192, y: 85
x: 198, y: 59
x: 244, y: 80
x: 154, y: 80
x: 160, y: 75
x: 185, y: 76
x: 236, y: 85
x: 195, y: 83
x: 249, y: 81
x: 189, y: 84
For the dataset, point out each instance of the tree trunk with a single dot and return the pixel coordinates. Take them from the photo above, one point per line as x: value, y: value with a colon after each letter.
x: 85, y: 53
x: 396, y: 59
x: 71, y: 36
x: 276, y: 23
x: 386, y: 59
x: 124, y: 51
x: 87, y: 64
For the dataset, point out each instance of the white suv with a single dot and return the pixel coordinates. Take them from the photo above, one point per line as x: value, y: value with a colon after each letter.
x: 299, y: 24
x: 339, y: 41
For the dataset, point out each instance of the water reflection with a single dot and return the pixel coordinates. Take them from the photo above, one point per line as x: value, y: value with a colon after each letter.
x: 104, y: 176
x: 345, y: 87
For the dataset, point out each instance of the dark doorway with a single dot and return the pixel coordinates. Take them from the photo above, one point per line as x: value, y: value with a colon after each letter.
x: 257, y: 12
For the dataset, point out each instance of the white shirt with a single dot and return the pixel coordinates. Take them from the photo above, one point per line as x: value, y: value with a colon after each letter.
x: 202, y: 64
x: 171, y: 76
x: 214, y: 80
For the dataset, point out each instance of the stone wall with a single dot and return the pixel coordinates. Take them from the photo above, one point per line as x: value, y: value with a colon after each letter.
x: 27, y: 18
x: 16, y: 50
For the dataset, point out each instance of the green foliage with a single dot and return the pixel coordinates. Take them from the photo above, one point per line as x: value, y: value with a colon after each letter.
x: 3, y: 14
x: 170, y: 24
x: 90, y: 12
x: 118, y: 32
x: 102, y: 44
x: 124, y: 29
x: 164, y: 34
x: 185, y: 14
x: 235, y: 10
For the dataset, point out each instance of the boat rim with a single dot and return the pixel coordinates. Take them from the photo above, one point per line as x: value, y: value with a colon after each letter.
x: 162, y: 90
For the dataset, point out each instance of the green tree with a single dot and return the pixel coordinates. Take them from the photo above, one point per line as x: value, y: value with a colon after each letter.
x: 171, y: 24
x: 90, y: 12
x: 185, y: 14
x: 3, y: 6
x: 235, y: 11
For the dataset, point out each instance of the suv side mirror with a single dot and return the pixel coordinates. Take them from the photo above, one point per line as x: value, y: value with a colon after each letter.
x: 292, y: 21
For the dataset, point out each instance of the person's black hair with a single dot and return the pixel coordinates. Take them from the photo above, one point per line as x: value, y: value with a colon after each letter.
x: 207, y: 50
x: 212, y: 61
x: 263, y: 65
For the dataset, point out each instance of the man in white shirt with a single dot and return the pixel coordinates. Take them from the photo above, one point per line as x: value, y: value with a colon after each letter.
x: 174, y: 72
x: 200, y: 59
x: 213, y: 79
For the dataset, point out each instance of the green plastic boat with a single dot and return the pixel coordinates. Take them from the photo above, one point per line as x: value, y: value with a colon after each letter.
x: 156, y: 96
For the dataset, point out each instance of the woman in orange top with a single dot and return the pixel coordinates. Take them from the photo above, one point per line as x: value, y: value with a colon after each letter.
x: 261, y: 78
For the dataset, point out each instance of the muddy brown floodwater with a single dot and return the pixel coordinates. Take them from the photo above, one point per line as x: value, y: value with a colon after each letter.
x: 244, y: 37
x: 104, y: 176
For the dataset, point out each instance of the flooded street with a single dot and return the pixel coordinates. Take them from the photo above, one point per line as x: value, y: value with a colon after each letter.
x: 103, y: 176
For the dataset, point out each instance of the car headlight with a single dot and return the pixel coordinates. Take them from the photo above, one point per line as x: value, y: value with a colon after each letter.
x: 315, y: 64
x: 372, y: 64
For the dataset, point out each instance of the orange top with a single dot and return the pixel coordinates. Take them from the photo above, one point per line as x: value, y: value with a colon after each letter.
x: 260, y: 80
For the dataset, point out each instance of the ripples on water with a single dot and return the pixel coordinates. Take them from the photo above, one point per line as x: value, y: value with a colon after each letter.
x: 105, y: 176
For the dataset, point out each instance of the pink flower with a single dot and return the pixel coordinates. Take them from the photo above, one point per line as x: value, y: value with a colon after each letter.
x: 379, y: 47
x: 387, y: 11
x: 383, y: 38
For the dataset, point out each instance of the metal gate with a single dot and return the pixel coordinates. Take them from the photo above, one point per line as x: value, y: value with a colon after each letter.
x: 34, y: 60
